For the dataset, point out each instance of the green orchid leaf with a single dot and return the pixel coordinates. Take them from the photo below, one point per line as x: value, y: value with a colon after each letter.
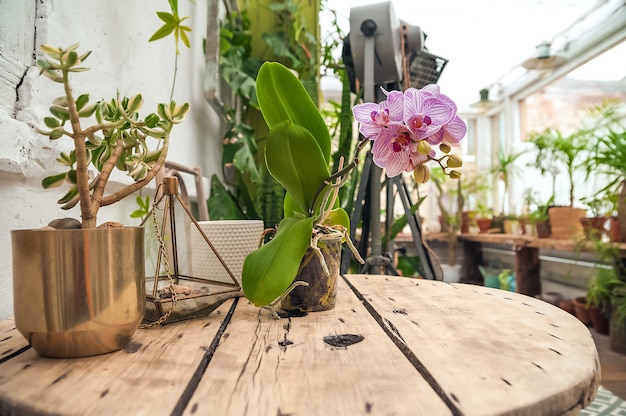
x: 269, y: 270
x: 295, y: 160
x: 291, y: 208
x: 282, y: 96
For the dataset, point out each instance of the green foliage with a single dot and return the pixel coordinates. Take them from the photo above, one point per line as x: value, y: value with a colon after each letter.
x: 299, y: 161
x: 144, y: 207
x: 268, y: 271
x: 607, y: 152
x: 554, y: 150
x: 540, y: 214
x: 252, y: 187
x: 118, y: 139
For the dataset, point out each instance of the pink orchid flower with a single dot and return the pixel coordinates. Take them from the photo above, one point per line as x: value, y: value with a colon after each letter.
x: 425, y: 113
x: 375, y: 117
x: 450, y: 134
x: 396, y: 151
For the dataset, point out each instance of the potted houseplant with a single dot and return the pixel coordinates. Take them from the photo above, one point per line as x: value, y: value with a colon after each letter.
x: 607, y: 156
x: 484, y: 216
x: 540, y: 218
x: 556, y: 149
x: 81, y: 291
x: 297, y: 154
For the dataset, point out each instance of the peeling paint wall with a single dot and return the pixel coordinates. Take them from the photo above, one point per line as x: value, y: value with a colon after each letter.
x: 117, y: 33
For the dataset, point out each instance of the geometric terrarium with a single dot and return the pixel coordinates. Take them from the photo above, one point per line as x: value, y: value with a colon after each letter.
x: 176, y: 291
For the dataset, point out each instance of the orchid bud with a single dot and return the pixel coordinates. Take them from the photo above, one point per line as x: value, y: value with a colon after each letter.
x: 455, y: 161
x: 445, y: 148
x: 421, y: 174
x: 423, y: 147
x: 455, y: 174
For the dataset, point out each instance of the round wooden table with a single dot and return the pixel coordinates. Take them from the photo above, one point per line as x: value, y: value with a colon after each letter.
x: 392, y: 345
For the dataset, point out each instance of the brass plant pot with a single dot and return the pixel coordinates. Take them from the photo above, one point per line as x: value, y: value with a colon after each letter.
x: 80, y: 292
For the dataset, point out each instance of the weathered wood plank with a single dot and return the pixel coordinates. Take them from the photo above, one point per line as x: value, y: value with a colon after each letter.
x: 146, y: 378
x: 520, y: 355
x: 11, y: 341
x: 278, y: 367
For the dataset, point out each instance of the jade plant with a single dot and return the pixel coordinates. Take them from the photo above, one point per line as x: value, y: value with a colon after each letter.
x: 117, y: 140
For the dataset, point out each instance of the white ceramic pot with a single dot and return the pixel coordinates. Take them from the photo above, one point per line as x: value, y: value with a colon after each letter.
x: 233, y: 240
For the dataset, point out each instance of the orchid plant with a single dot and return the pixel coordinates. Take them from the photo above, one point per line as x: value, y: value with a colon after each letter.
x: 297, y: 154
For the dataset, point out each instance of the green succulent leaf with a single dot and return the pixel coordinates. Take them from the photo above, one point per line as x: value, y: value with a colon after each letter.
x: 70, y: 199
x: 269, y: 270
x: 53, y: 181
x: 282, y: 96
x: 51, y: 122
x: 81, y: 101
x: 59, y: 112
x: 87, y: 111
x: 69, y: 196
x: 57, y: 133
x: 295, y: 160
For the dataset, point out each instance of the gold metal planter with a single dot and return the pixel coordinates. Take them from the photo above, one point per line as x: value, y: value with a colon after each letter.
x: 78, y: 292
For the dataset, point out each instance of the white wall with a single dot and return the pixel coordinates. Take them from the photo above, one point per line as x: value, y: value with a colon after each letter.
x: 117, y: 32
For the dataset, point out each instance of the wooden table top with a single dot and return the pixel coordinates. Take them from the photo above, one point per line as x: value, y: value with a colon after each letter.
x: 392, y: 345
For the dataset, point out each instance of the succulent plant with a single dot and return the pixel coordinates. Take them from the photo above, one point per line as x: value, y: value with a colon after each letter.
x: 117, y: 140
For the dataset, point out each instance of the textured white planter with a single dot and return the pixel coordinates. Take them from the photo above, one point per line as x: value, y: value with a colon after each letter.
x: 233, y: 240
x: 451, y: 273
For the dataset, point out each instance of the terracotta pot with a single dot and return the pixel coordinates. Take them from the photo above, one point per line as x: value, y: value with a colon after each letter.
x: 568, y: 306
x: 582, y: 312
x: 593, y: 227
x: 615, y: 233
x: 599, y: 320
x: 483, y: 224
x: 543, y: 229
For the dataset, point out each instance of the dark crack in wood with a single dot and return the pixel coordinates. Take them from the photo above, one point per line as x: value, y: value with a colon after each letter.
x: 14, y: 353
x: 343, y: 341
x: 191, y: 387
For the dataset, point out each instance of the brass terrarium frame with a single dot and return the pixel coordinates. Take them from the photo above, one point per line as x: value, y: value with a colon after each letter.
x: 175, y: 296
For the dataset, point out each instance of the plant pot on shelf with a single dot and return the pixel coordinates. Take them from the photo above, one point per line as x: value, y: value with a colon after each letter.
x: 568, y: 306
x: 582, y: 312
x: 593, y: 227
x: 543, y: 228
x: 512, y: 227
x: 565, y: 222
x: 484, y: 224
x: 78, y: 292
x: 614, y: 230
x: 599, y: 320
x: 321, y: 292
